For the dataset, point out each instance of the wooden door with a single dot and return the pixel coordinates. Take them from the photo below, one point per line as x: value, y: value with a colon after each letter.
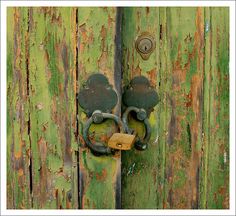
x: 51, y: 52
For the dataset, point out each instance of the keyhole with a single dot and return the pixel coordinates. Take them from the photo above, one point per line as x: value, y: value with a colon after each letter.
x: 145, y: 44
x: 119, y: 145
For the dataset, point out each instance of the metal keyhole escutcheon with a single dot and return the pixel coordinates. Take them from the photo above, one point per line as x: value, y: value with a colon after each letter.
x: 145, y: 45
x: 139, y: 97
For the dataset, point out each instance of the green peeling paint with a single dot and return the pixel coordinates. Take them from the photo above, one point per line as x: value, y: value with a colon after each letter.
x: 52, y: 51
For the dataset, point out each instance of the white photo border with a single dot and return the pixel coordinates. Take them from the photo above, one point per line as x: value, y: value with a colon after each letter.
x: 5, y: 4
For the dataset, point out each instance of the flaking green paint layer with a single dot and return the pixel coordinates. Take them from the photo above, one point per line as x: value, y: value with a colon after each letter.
x: 96, y: 53
x: 139, y: 168
x: 18, y: 178
x: 52, y: 107
x: 50, y: 54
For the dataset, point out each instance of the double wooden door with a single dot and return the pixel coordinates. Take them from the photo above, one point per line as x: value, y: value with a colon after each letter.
x: 51, y: 52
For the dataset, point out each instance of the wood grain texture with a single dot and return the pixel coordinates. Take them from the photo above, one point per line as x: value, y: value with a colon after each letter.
x: 194, y: 50
x: 185, y: 45
x: 51, y: 60
x: 189, y: 163
x: 52, y: 51
x: 215, y: 164
x: 139, y: 168
x: 18, y: 148
x: 99, y: 176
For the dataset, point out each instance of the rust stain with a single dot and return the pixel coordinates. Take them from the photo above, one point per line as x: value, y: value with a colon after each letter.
x: 68, y: 204
x: 42, y: 146
x: 104, y: 138
x: 81, y: 141
x: 57, y: 198
x: 20, y: 172
x: 102, y: 61
x: 18, y: 154
x: 197, y: 101
x: 152, y: 75
x: 193, y: 100
x: 90, y: 37
x: 45, y: 126
x: 103, y: 35
x: 111, y: 21
x: 136, y: 71
x: 83, y: 36
x: 189, y: 99
x: 18, y: 161
x: 53, y: 14
x: 223, y: 191
x: 101, y: 176
x: 179, y: 73
x: 177, y: 197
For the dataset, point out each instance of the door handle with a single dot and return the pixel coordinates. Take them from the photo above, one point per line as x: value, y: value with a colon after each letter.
x: 97, y: 118
x: 98, y: 98
x: 141, y: 115
x: 139, y: 97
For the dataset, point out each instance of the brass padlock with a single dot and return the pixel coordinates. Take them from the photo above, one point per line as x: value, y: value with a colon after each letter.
x: 121, y: 141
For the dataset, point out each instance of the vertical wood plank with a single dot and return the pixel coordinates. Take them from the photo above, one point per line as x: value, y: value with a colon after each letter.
x: 50, y: 54
x: 18, y: 177
x: 182, y: 135
x: 165, y: 86
x: 215, y: 174
x: 52, y: 84
x: 99, y: 176
x: 140, y: 168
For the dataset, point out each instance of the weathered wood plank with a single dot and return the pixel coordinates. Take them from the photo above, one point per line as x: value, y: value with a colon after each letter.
x: 183, y: 31
x: 50, y: 54
x: 165, y: 85
x: 215, y: 175
x: 18, y: 149
x: 139, y: 168
x: 99, y: 177
x: 52, y: 85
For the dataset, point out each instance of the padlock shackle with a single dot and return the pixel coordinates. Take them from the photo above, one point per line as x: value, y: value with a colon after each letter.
x: 140, y: 144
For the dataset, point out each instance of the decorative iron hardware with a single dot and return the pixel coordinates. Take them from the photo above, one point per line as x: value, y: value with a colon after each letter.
x: 145, y: 45
x: 97, y: 94
x: 97, y: 98
x: 141, y: 98
x: 140, y: 144
x: 97, y: 118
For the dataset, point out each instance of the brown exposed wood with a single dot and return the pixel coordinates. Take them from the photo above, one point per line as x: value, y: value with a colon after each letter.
x: 52, y: 51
